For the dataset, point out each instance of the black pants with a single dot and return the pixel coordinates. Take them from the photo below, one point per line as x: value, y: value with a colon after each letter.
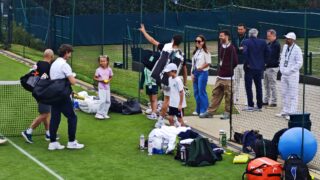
x: 66, y: 108
x: 256, y: 76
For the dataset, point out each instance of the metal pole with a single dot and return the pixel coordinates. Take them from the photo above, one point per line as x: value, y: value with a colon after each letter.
x: 231, y: 69
x: 102, y: 40
x: 164, y: 12
x: 310, y: 63
x: 72, y: 25
x: 140, y: 41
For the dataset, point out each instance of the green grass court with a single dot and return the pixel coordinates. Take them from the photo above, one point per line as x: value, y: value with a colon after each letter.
x: 111, y: 150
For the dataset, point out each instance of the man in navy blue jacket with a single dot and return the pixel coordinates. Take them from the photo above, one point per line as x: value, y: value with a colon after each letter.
x: 256, y: 52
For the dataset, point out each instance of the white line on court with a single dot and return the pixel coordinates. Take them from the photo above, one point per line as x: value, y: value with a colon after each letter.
x: 35, y: 160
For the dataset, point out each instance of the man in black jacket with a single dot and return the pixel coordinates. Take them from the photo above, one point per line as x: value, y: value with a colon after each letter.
x: 272, y: 68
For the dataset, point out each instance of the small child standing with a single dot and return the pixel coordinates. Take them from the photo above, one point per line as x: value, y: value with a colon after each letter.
x: 151, y: 91
x: 104, y: 76
x: 177, y: 101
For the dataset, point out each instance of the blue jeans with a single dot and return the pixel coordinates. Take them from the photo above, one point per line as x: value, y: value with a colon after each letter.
x: 66, y: 108
x: 200, y: 93
x: 256, y: 76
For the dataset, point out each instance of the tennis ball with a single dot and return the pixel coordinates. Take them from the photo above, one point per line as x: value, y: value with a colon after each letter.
x: 106, y: 81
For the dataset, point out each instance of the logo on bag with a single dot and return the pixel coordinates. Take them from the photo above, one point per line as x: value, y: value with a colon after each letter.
x: 294, y: 172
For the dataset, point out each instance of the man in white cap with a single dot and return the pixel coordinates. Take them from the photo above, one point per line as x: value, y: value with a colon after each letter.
x: 290, y: 65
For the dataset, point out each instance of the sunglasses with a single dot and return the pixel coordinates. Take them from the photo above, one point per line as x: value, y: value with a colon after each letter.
x: 197, y: 41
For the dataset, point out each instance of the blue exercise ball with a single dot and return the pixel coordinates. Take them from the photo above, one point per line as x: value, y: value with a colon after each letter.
x: 291, y: 141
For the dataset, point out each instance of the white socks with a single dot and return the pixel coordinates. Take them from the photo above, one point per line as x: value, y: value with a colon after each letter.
x: 29, y: 131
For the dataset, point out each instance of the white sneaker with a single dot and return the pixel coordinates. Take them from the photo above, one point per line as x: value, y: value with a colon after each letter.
x: 55, y: 146
x: 195, y: 113
x: 281, y: 115
x: 159, y: 124
x: 149, y: 111
x: 153, y: 116
x: 106, y: 117
x: 99, y: 116
x: 75, y: 145
x: 287, y: 117
x: 177, y: 124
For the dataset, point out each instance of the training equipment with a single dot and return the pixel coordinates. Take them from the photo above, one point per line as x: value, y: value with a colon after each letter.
x: 297, y: 119
x: 290, y: 144
x: 295, y: 169
x: 263, y: 169
x: 18, y: 109
x: 241, y: 159
x: 265, y: 148
x: 106, y: 81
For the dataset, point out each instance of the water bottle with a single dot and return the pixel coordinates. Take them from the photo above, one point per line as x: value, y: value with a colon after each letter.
x: 142, y: 142
x: 150, y: 146
x: 183, y: 153
x: 222, y: 138
x: 165, y: 145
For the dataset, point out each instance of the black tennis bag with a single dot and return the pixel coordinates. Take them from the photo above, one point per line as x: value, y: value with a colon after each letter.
x: 265, y: 148
x: 200, y: 153
x: 295, y: 169
x: 29, y: 80
x: 131, y: 106
x: 52, y: 92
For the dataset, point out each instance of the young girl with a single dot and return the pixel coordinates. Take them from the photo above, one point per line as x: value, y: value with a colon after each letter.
x: 103, y: 75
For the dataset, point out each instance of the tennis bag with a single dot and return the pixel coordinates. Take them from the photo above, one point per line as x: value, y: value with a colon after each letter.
x: 131, y: 106
x: 276, y: 139
x: 52, y: 92
x: 248, y: 140
x: 295, y: 169
x: 200, y: 153
x: 263, y: 169
x: 265, y: 148
x: 29, y: 80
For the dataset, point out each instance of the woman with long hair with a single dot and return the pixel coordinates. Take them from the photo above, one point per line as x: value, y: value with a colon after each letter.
x: 201, y: 61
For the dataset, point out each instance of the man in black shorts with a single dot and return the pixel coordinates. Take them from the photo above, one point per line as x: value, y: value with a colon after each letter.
x: 43, y: 68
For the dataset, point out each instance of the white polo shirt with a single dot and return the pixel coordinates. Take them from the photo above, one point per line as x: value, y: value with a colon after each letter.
x: 60, y: 69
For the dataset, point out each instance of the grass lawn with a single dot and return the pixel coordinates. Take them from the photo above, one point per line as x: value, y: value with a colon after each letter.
x: 111, y: 152
x: 6, y: 67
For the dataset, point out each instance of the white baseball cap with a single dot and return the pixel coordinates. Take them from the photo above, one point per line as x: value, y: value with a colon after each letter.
x: 291, y: 35
x: 171, y: 67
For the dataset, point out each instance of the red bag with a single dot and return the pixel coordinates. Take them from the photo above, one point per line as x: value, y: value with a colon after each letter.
x: 263, y: 169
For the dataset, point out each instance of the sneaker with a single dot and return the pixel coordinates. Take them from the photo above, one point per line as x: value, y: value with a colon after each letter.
x: 106, y: 117
x: 75, y: 145
x: 55, y: 146
x: 225, y: 116
x: 195, y: 113
x: 287, y: 117
x: 281, y: 115
x: 265, y: 104
x: 2, y: 141
x: 149, y: 111
x: 258, y: 109
x: 159, y: 124
x: 273, y: 105
x: 152, y: 116
x: 248, y: 109
x: 99, y: 116
x: 206, y: 115
x: 47, y: 137
x: 27, y: 137
x: 177, y: 124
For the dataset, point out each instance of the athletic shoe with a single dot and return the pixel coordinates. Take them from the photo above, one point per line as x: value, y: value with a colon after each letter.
x: 177, y: 124
x: 152, y: 116
x: 273, y: 105
x: 159, y: 124
x: 2, y: 141
x: 206, y: 115
x: 265, y: 104
x: 99, y: 116
x: 195, y: 113
x: 27, y: 137
x: 281, y: 115
x: 47, y: 137
x: 149, y: 111
x: 106, y: 117
x: 287, y: 117
x: 225, y: 116
x: 75, y: 145
x: 55, y: 146
x: 258, y: 109
x: 248, y: 109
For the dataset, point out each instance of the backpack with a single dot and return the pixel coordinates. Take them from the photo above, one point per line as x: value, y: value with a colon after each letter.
x: 295, y: 169
x: 276, y: 138
x: 265, y: 148
x: 131, y: 106
x: 29, y: 80
x: 150, y: 59
x: 263, y: 168
x: 249, y: 139
x: 116, y: 105
x: 200, y: 153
